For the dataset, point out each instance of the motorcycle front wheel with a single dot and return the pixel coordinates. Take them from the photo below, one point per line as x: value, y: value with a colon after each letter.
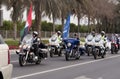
x: 60, y: 53
x: 112, y: 49
x: 22, y: 60
x: 95, y: 54
x: 51, y: 53
x: 67, y: 56
x: 77, y: 56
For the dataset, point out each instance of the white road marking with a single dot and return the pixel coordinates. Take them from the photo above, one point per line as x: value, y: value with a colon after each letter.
x: 100, y: 78
x: 14, y: 61
x: 82, y: 77
x: 65, y: 67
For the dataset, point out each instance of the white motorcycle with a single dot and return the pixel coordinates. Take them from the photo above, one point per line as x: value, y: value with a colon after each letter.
x: 89, y: 44
x: 54, y: 46
x: 99, y: 48
x: 26, y: 53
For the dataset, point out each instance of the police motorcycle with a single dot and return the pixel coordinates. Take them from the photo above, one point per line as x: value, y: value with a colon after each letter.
x: 55, y: 46
x: 99, y: 48
x: 26, y: 53
x: 114, y: 45
x: 71, y: 48
x: 89, y: 44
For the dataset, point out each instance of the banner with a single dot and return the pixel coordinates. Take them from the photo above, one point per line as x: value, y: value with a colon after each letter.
x: 66, y: 28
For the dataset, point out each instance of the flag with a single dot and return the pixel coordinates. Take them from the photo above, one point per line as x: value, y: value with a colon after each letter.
x: 28, y: 24
x: 66, y: 28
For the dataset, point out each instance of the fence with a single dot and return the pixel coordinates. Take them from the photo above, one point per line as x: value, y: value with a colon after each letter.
x: 44, y: 34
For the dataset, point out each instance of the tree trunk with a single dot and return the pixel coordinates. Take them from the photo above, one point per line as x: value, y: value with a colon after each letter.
x: 0, y: 5
x: 38, y: 14
x: 38, y: 23
x: 89, y: 23
x: 62, y: 20
x: 78, y: 24
x: 15, y: 30
x: 53, y: 24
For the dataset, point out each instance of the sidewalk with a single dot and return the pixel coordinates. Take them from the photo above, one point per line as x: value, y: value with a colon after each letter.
x: 13, y: 51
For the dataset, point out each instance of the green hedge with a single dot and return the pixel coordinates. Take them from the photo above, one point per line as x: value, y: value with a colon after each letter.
x: 16, y: 42
x: 11, y: 42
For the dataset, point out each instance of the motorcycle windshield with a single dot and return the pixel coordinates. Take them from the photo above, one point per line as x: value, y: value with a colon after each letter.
x: 97, y: 38
x: 27, y: 39
x: 113, y: 39
x: 54, y: 38
x: 89, y: 37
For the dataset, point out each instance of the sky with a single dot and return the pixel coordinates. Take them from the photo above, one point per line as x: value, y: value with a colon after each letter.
x: 6, y: 16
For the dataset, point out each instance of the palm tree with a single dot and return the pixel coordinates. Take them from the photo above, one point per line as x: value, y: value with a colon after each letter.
x: 17, y: 11
x: 53, y: 10
x: 79, y: 11
x: 45, y: 7
x: 66, y: 8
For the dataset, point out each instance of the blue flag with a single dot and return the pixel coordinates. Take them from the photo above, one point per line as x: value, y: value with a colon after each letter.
x: 66, y: 28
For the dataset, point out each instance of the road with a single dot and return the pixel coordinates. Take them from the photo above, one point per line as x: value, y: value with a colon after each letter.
x: 58, y: 68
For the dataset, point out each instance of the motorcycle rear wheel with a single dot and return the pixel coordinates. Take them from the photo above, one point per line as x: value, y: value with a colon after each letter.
x: 39, y: 61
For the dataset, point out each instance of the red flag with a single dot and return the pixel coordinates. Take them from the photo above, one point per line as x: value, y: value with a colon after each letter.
x: 28, y: 24
x: 29, y: 18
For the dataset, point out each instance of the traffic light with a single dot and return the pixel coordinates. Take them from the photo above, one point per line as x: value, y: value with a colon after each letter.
x: 1, y: 17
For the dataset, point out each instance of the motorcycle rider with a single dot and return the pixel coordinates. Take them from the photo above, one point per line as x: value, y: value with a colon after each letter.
x: 93, y: 33
x: 76, y: 36
x: 59, y: 36
x: 104, y: 38
x: 117, y: 39
x: 35, y: 43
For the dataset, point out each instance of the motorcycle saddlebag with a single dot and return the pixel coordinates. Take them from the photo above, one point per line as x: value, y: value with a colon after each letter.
x: 43, y: 53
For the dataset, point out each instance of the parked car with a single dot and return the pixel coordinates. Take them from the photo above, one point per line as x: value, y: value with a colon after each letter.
x: 5, y: 66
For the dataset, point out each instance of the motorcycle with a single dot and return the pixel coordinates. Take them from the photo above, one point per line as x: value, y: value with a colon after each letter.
x: 71, y: 48
x: 55, y: 47
x: 114, y: 46
x: 89, y: 44
x: 26, y: 53
x: 99, y: 48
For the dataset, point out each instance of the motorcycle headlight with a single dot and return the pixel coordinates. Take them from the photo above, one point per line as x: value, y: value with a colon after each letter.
x: 25, y: 46
x: 69, y: 44
x: 20, y: 46
x: 29, y: 47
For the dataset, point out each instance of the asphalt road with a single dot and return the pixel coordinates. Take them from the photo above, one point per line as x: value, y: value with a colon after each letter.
x: 58, y: 68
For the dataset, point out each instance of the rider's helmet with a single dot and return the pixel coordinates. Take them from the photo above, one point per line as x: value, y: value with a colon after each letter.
x: 116, y: 35
x: 35, y: 33
x: 93, y: 33
x: 75, y: 35
x: 102, y: 33
x: 59, y: 32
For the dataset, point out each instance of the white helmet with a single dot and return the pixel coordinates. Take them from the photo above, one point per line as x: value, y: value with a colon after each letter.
x: 116, y: 35
x: 58, y: 32
x: 35, y: 33
x: 102, y: 32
